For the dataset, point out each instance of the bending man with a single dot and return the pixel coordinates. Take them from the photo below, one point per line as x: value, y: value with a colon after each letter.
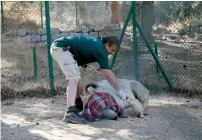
x: 73, y: 51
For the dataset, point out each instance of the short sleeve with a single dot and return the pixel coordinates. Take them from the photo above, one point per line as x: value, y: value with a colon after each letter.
x: 102, y: 60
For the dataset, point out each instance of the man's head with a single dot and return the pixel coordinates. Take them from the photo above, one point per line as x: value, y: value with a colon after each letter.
x: 111, y: 44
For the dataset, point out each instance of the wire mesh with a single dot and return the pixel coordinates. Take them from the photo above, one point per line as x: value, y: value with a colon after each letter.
x: 177, y: 31
x: 176, y: 28
x: 177, y: 34
x: 21, y: 35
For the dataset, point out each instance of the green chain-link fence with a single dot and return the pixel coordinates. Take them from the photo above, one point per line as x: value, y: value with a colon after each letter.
x: 24, y: 68
x: 18, y: 15
x: 175, y: 28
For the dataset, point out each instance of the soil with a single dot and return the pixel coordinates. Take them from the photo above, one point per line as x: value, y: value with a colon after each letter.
x: 169, y: 118
x: 29, y: 111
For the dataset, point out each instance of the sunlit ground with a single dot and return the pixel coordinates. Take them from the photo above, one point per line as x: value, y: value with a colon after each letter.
x: 168, y: 118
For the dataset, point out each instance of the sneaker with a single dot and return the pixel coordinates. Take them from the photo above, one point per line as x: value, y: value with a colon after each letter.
x: 72, y: 116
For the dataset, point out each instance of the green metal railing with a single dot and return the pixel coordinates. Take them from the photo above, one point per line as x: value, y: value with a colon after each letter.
x: 156, y: 52
x: 48, y: 31
x: 122, y: 35
x: 76, y: 7
x: 35, y: 64
x: 2, y: 18
x: 135, y: 46
x: 136, y: 24
x: 165, y: 75
x: 173, y: 47
x: 41, y: 9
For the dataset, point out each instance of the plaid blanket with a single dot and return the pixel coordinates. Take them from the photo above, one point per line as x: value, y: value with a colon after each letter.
x: 96, y: 105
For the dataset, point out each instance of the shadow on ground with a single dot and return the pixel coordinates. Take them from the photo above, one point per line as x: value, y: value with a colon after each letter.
x: 168, y: 118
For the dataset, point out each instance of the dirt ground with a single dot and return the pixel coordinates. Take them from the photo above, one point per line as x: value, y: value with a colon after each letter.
x: 169, y: 118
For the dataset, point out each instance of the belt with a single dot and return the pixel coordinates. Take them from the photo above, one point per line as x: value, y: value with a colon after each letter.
x: 68, y: 48
x: 64, y: 49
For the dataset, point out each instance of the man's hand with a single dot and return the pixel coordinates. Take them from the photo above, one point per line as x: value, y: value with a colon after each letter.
x: 111, y: 78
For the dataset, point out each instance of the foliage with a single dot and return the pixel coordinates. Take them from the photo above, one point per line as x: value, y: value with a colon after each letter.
x: 169, y: 11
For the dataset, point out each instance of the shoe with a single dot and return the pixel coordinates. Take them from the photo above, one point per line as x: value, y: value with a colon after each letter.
x: 72, y: 116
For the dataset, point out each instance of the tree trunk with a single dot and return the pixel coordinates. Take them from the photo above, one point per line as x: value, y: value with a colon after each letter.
x: 115, y: 12
x: 147, y: 18
x: 107, y: 5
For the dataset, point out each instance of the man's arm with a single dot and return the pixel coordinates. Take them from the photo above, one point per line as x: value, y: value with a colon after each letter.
x: 114, y: 83
x: 111, y: 79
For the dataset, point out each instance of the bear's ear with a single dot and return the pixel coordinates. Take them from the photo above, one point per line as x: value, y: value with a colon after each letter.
x: 90, y: 85
x: 91, y: 91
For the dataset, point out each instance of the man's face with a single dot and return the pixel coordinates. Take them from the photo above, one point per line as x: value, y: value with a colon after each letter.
x: 111, y: 49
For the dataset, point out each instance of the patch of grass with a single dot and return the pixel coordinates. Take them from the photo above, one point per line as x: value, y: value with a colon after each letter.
x: 17, y: 69
x: 21, y: 15
x: 13, y: 25
x: 16, y: 54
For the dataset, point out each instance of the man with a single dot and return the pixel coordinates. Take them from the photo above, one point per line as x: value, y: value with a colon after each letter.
x: 74, y: 51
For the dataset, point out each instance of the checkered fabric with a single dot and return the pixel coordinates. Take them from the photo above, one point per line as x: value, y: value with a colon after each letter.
x: 96, y: 105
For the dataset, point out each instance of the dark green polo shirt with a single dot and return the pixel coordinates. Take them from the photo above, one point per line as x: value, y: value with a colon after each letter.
x: 86, y: 49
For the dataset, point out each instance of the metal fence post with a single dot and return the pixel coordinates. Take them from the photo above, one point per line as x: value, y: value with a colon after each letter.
x: 2, y: 17
x: 48, y: 31
x: 41, y: 9
x: 164, y: 73
x: 76, y: 14
x: 122, y: 35
x: 135, y: 47
x: 35, y: 63
x: 156, y: 52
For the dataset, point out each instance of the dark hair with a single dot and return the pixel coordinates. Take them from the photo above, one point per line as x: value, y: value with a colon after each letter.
x: 111, y: 40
